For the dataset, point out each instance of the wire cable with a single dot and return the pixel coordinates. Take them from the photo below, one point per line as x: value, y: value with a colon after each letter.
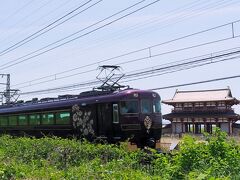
x: 17, y: 11
x: 32, y: 36
x: 73, y: 39
x: 143, y: 49
x: 21, y: 31
x: 198, y: 82
x: 159, y: 23
x: 142, y: 74
x: 125, y: 62
x: 165, y: 87
x: 30, y: 14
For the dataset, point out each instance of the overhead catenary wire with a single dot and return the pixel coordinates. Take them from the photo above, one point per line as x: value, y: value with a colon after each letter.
x: 208, y: 58
x: 175, y: 64
x: 180, y: 19
x: 134, y: 60
x: 140, y: 75
x: 177, y: 50
x: 198, y: 82
x: 145, y: 22
x: 211, y: 58
x: 163, y: 22
x: 192, y: 4
x: 30, y: 14
x: 17, y: 11
x: 42, y: 30
x: 50, y: 80
x: 75, y: 87
x: 164, y: 87
x: 140, y: 50
x: 73, y: 39
x: 21, y: 31
x: 181, y: 69
x: 163, y: 71
x: 160, y: 16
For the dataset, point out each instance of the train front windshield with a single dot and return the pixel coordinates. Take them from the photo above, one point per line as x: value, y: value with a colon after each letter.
x: 140, y: 118
x: 129, y: 107
x: 156, y: 106
x: 147, y: 106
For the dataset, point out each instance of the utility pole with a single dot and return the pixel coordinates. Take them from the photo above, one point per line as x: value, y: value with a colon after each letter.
x: 9, y: 93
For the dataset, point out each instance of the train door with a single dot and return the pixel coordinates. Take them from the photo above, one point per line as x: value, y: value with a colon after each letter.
x: 104, y: 119
x: 115, y: 122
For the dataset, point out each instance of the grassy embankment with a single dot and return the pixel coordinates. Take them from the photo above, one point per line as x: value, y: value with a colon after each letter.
x: 55, y: 158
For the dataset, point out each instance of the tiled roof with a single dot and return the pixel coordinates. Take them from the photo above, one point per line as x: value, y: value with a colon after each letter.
x: 201, y: 114
x: 201, y: 96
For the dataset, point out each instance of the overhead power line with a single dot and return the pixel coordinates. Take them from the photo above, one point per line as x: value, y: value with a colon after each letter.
x: 42, y: 30
x: 159, y: 88
x: 176, y: 50
x: 143, y: 74
x: 158, y: 25
x: 161, y: 21
x: 204, y: 58
x: 207, y: 58
x: 35, y: 21
x: 198, y: 82
x: 164, y: 21
x: 4, y: 66
x: 199, y: 60
x: 50, y: 80
x: 137, y: 51
x: 173, y: 70
x: 89, y: 85
x: 17, y: 11
x: 27, y: 16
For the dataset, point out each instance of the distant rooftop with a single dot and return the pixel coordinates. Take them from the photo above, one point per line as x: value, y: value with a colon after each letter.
x: 201, y: 96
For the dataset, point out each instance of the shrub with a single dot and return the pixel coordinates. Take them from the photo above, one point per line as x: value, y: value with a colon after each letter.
x: 217, y: 157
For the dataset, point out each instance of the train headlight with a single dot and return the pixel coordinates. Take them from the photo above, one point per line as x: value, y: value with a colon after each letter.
x: 135, y: 95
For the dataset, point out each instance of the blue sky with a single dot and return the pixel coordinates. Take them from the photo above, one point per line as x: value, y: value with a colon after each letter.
x: 158, y: 23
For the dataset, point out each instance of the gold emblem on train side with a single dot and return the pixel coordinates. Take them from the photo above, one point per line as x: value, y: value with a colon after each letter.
x: 147, y: 123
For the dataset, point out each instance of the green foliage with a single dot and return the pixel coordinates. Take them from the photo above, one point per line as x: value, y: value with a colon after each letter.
x: 217, y: 157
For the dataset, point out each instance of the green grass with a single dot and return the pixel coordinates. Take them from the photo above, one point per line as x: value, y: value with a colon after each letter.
x: 56, y: 158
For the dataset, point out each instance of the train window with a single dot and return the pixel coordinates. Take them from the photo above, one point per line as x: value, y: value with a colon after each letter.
x: 34, y: 119
x: 156, y: 106
x: 22, y: 120
x: 128, y: 107
x: 4, y: 120
x: 62, y: 118
x: 146, y: 106
x: 13, y: 120
x: 48, y: 118
x: 115, y: 113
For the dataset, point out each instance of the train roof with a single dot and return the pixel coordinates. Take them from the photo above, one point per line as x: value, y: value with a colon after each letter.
x: 85, y: 98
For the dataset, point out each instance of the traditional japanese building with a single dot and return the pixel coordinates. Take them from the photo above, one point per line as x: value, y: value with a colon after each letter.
x: 199, y: 111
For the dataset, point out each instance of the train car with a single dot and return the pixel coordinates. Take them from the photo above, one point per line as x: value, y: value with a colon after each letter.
x: 113, y: 116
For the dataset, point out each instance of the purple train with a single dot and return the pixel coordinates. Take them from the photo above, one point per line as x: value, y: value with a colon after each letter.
x: 114, y: 116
